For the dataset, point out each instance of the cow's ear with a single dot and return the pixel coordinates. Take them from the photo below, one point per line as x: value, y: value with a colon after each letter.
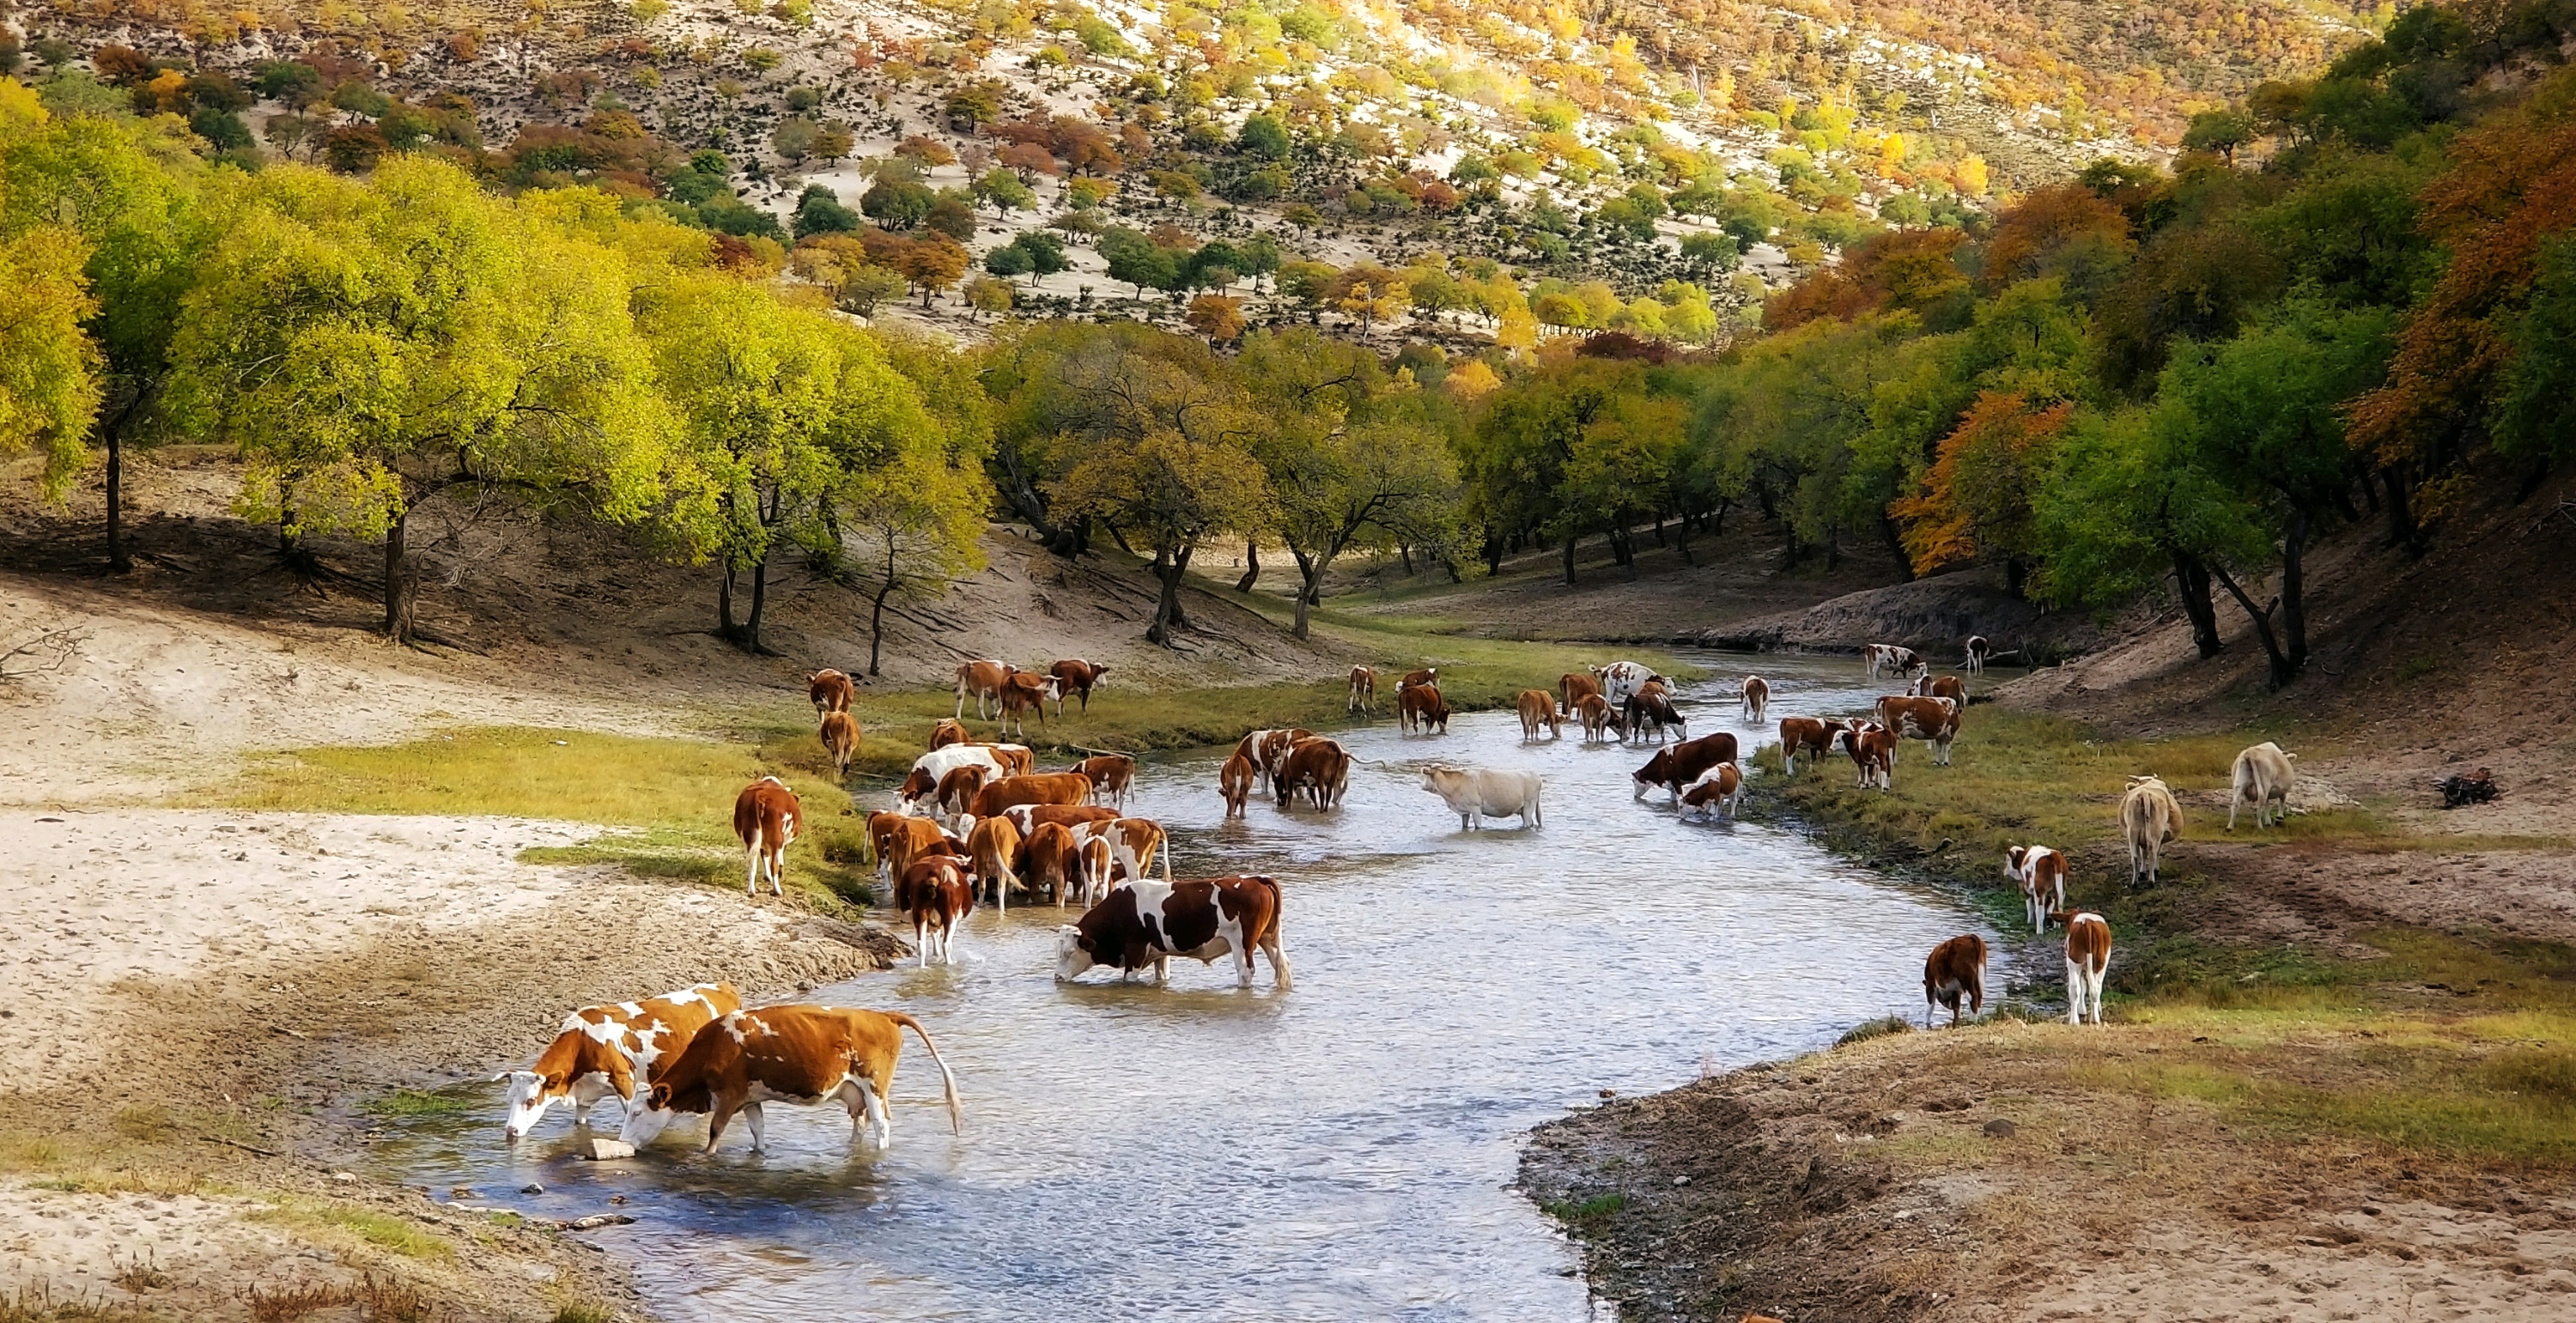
x: 661, y: 1096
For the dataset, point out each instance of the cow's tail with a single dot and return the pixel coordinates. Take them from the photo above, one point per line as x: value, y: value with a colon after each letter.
x: 947, y: 1081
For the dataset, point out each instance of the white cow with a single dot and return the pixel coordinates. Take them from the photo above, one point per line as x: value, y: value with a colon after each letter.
x: 940, y: 762
x: 1620, y: 679
x: 1475, y: 795
x: 2263, y: 775
x: 2150, y: 816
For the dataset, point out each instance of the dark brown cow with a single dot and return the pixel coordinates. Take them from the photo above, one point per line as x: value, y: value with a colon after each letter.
x: 1572, y: 686
x: 801, y: 1054
x: 1076, y: 677
x: 1676, y: 767
x: 1420, y: 709
x: 1040, y: 788
x: 1956, y: 971
x: 1320, y: 767
x: 766, y: 816
x: 1024, y: 692
x: 1652, y: 706
x: 1111, y: 774
x: 841, y: 740
x: 916, y: 838
x: 1799, y: 735
x: 934, y: 893
x: 831, y: 691
x: 1147, y: 923
x: 983, y: 679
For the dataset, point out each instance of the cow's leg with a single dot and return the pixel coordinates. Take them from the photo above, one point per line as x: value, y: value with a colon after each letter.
x: 1162, y: 969
x: 717, y: 1116
x: 759, y: 1122
x: 778, y: 869
x: 751, y: 864
x: 921, y: 940
x: 1278, y: 958
x: 880, y: 1114
x: 2074, y: 991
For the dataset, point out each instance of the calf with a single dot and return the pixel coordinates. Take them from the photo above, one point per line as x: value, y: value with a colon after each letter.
x: 1650, y: 707
x: 2088, y: 958
x: 1420, y: 709
x: 1718, y: 787
x: 1939, y: 686
x: 2149, y: 817
x: 807, y: 1055
x: 1110, y: 774
x: 1683, y: 763
x: 1932, y: 720
x: 831, y: 691
x: 1814, y: 735
x: 1041, y: 788
x: 2041, y: 874
x: 983, y: 679
x: 1956, y: 970
x: 1023, y: 692
x: 766, y: 816
x: 2262, y: 776
x: 1475, y: 795
x: 1320, y: 767
x: 934, y: 893
x: 1757, y: 696
x: 1594, y: 711
x: 946, y: 733
x: 1427, y: 675
x: 1147, y: 923
x: 1234, y: 781
x: 958, y: 789
x: 1978, y: 651
x: 993, y: 850
x: 841, y: 740
x: 1619, y: 680
x: 1076, y: 677
x: 1538, y: 708
x: 1363, y: 690
x: 611, y: 1048
x: 1888, y: 656
x: 1873, y: 750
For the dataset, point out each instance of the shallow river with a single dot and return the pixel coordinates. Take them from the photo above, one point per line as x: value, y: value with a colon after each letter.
x: 1342, y: 1151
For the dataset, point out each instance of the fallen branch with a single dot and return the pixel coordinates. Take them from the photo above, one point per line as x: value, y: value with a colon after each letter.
x: 65, y: 644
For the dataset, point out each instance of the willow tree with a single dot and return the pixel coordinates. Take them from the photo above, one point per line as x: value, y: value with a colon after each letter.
x: 917, y: 511
x: 373, y: 346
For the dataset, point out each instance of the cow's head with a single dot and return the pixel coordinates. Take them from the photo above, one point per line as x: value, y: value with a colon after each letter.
x: 529, y: 1095
x: 1072, y: 953
x: 648, y: 1117
x: 2013, y: 857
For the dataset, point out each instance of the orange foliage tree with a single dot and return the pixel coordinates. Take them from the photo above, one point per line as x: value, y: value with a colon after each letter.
x: 1976, y: 498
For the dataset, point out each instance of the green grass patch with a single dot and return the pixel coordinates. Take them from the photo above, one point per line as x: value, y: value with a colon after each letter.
x: 1587, y: 1210
x: 410, y: 1103
x: 385, y: 1232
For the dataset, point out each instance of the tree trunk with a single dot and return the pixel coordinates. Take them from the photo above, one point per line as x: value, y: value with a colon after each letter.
x: 759, y: 601
x: 1682, y: 540
x: 1493, y: 553
x: 724, y: 603
x: 1180, y: 571
x: 1310, y: 587
x: 2281, y: 670
x: 1569, y: 561
x: 1404, y: 550
x: 1896, y: 548
x: 117, y: 559
x: 2402, y: 529
x: 2191, y: 584
x: 876, y: 624
x: 2016, y: 576
x: 397, y: 581
x: 2294, y: 596
x: 1121, y: 540
x: 1168, y: 605
x: 1251, y: 568
x: 1717, y: 521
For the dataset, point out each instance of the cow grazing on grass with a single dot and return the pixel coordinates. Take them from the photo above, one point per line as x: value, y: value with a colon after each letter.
x: 2262, y: 777
x: 1571, y: 688
x: 1756, y: 694
x: 1932, y: 720
x: 1807, y: 735
x: 1320, y: 767
x: 1363, y: 691
x: 1111, y: 774
x: 1538, y: 708
x: 2149, y: 817
x: 933, y: 892
x: 1148, y: 923
x: 1598, y: 720
x: 615, y: 1048
x: 1978, y: 650
x: 1873, y: 751
x: 766, y: 816
x: 1651, y: 707
x: 946, y: 733
x: 983, y: 680
x: 1676, y: 767
x: 2041, y: 874
x: 958, y: 789
x: 1717, y: 789
x: 993, y: 849
x: 1039, y: 788
x: 1475, y: 795
x: 1427, y: 675
x: 1939, y: 686
x: 807, y: 1055
x: 1904, y: 662
x: 841, y: 741
x: 831, y: 691
x: 1419, y: 709
x: 1076, y: 677
x: 1956, y: 972
x: 1024, y: 692
x: 2088, y: 958
x: 1234, y: 781
x: 1621, y: 679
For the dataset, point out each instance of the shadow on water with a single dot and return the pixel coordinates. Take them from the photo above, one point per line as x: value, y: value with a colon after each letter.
x: 1344, y: 1150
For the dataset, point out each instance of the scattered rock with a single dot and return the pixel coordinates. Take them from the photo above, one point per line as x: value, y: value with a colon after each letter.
x: 2000, y: 1128
x: 1680, y: 1181
x: 599, y: 1148
x: 1609, y: 1093
x: 345, y: 1177
x: 532, y: 1188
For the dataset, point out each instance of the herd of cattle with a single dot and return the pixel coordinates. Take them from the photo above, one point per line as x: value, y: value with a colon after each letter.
x: 976, y: 819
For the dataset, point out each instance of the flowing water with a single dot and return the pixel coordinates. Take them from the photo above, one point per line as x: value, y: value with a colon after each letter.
x: 1341, y: 1151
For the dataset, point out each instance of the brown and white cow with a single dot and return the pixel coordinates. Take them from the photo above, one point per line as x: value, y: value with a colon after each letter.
x: 2041, y: 874
x: 1111, y: 774
x: 2088, y: 958
x: 1570, y: 689
x: 1932, y: 720
x: 841, y: 741
x: 933, y: 892
x: 1030, y: 817
x: 1024, y: 692
x: 831, y: 691
x: 946, y: 733
x: 958, y: 789
x: 910, y: 839
x: 929, y: 769
x: 613, y: 1048
x: 2262, y: 776
x: 1598, y: 720
x: 982, y: 679
x: 1363, y: 691
x: 1538, y: 708
x: 1978, y: 651
x: 882, y: 829
x: 1419, y: 709
x: 1756, y: 694
x: 1622, y: 678
x: 1068, y: 864
x: 1801, y: 735
x: 2150, y: 816
x: 1873, y: 751
x: 1928, y: 685
x: 1320, y: 767
x: 993, y: 849
x: 807, y: 1055
x: 1076, y: 677
x: 1717, y: 788
x: 1266, y: 749
x: 1956, y: 971
x: 1887, y: 656
x: 1427, y: 675
x: 1147, y: 923
x: 766, y: 816
x: 1133, y: 844
x: 1039, y: 788
x: 1234, y: 781
x: 1651, y: 706
x: 1676, y: 767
